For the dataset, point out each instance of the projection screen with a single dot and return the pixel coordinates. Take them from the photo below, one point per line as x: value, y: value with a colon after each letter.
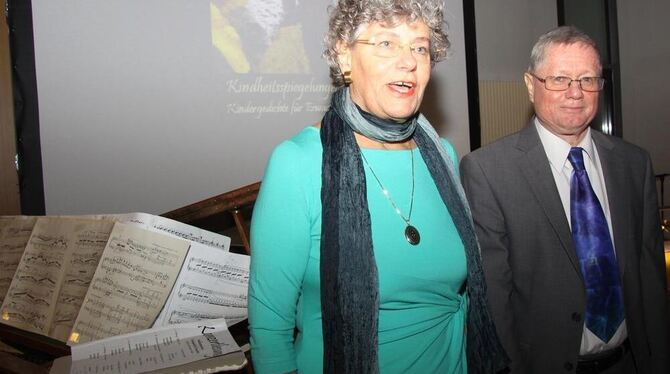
x: 155, y: 104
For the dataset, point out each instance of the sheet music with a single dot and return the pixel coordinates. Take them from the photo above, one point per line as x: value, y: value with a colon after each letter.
x: 14, y: 234
x: 89, y: 242
x: 172, y: 228
x: 190, y: 304
x: 154, y: 349
x: 53, y: 255
x: 133, y: 279
x: 212, y: 284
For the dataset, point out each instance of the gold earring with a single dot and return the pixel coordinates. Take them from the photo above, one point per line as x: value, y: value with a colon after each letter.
x: 346, y: 76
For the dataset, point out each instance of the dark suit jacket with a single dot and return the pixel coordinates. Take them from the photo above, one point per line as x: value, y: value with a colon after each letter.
x: 535, y: 288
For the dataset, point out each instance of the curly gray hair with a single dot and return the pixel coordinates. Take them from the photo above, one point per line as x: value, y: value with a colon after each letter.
x: 556, y: 36
x: 348, y: 16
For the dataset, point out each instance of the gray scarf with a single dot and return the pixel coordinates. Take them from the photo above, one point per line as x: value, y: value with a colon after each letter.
x: 349, y: 282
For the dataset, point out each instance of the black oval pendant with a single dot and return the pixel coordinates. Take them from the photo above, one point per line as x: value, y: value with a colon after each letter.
x: 412, y: 235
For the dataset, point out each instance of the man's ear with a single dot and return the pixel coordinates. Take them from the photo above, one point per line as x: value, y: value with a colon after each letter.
x: 528, y: 79
x: 343, y: 56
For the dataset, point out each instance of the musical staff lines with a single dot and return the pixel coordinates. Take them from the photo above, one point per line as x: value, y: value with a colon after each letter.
x: 95, y: 330
x: 208, y: 296
x: 33, y: 296
x: 136, y: 273
x: 130, y: 318
x: 134, y: 277
x: 26, y: 315
x: 175, y: 229
x: 52, y: 276
x: 92, y: 239
x: 32, y: 293
x: 39, y: 281
x: 112, y: 288
x: 44, y: 260
x: 154, y: 254
x: 223, y: 243
x: 14, y: 235
x: 212, y: 284
x: 89, y: 277
x: 181, y: 316
x: 228, y: 272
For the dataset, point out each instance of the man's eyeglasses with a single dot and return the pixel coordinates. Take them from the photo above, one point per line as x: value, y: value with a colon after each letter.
x: 590, y: 84
x: 392, y: 48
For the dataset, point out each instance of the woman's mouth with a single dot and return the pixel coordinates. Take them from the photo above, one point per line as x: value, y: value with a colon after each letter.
x: 402, y: 87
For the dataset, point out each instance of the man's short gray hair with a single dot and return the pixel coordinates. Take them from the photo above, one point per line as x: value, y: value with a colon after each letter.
x: 557, y: 36
x: 347, y: 16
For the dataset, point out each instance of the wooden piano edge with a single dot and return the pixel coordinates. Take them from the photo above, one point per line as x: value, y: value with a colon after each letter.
x: 215, y: 205
x: 30, y: 344
x: 17, y: 337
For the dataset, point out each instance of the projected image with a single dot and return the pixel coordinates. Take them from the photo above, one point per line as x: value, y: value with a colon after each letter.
x: 259, y: 36
x: 271, y: 58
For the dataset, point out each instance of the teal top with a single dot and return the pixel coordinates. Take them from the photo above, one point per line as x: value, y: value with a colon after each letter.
x: 422, y: 314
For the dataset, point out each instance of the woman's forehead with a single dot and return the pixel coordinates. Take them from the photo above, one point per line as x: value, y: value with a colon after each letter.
x: 399, y: 27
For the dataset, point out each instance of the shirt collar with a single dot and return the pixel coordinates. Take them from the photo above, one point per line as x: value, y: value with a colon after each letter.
x: 557, y: 149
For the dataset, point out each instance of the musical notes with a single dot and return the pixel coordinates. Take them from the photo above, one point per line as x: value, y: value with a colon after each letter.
x: 225, y: 271
x: 208, y: 296
x: 30, y: 278
x: 14, y: 234
x: 35, y: 296
x: 198, y: 238
x: 50, y: 282
x: 133, y: 279
x: 212, y: 283
x: 136, y: 273
x: 131, y: 319
x: 93, y: 277
x: 43, y: 259
x: 176, y: 229
x: 95, y: 328
x: 22, y: 313
x: 181, y: 316
x: 111, y: 287
x: 169, y: 227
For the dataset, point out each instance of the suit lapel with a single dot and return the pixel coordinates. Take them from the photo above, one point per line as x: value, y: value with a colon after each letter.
x: 536, y: 170
x: 617, y: 193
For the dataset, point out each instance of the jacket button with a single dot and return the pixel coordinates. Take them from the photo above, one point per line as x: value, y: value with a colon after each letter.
x: 568, y: 366
x: 576, y: 317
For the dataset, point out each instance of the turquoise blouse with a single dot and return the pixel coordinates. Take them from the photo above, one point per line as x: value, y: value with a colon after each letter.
x: 422, y: 309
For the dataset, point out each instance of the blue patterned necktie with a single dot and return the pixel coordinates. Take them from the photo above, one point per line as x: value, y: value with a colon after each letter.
x: 590, y: 233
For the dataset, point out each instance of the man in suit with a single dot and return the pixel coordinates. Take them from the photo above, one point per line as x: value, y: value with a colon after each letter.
x: 540, y: 199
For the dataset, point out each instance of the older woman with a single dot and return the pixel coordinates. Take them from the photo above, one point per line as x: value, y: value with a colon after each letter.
x: 364, y: 255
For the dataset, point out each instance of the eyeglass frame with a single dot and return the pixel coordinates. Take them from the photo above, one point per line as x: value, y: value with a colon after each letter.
x: 397, y: 50
x: 601, y: 82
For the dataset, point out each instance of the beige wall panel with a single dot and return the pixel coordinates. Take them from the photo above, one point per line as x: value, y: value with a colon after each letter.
x: 504, y: 108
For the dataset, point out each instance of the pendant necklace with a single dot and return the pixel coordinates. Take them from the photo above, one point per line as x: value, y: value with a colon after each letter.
x: 411, y: 233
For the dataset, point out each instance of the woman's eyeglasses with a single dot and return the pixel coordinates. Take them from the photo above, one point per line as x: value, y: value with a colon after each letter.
x: 393, y: 48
